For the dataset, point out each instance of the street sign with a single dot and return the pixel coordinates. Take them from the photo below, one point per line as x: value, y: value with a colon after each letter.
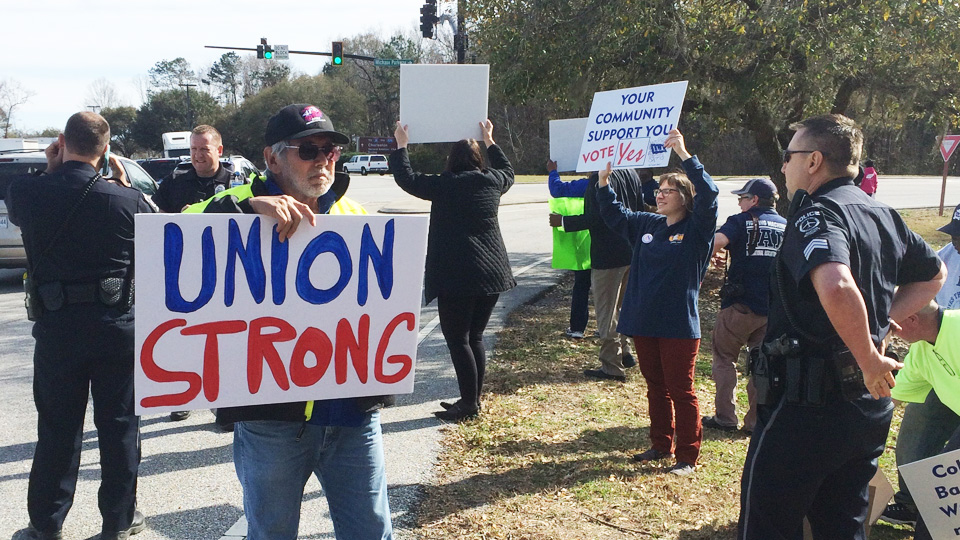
x: 948, y: 145
x: 391, y: 62
x: 281, y: 52
x: 376, y: 145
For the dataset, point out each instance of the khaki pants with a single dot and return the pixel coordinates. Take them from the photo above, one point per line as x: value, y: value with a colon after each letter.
x: 736, y: 326
x: 608, y: 286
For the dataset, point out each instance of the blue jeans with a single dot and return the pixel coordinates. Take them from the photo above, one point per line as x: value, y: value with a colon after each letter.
x: 923, y: 432
x: 273, y: 468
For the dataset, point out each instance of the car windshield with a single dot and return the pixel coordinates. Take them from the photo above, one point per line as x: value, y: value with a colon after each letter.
x: 10, y: 170
x: 160, y: 168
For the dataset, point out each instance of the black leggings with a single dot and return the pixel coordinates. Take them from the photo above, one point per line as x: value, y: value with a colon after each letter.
x: 462, y: 321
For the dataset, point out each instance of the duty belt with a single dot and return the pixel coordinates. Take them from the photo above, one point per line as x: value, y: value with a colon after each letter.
x: 110, y: 292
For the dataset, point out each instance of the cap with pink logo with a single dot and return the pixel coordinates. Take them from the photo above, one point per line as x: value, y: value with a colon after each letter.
x: 298, y: 121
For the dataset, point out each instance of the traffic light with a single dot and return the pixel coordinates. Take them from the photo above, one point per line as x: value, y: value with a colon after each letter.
x: 264, y: 50
x: 337, y: 53
x: 428, y: 18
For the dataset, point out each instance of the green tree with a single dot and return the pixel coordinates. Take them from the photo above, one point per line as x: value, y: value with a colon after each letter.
x: 243, y: 129
x: 121, y: 120
x: 226, y: 73
x: 166, y: 110
x: 169, y: 74
x: 757, y: 65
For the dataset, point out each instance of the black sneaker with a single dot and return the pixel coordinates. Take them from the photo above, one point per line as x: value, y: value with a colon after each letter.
x: 138, y: 525
x: 177, y: 416
x: 628, y: 360
x: 652, y: 455
x: 34, y: 534
x: 712, y: 423
x: 899, y: 514
x: 601, y: 374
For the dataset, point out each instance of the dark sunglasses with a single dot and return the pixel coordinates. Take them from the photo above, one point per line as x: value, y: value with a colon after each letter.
x: 309, y: 152
x: 788, y: 153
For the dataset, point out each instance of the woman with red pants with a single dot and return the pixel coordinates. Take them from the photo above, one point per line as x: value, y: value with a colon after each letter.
x: 671, y: 250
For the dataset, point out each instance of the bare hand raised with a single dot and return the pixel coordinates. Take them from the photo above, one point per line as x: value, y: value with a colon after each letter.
x: 604, y: 175
x: 54, y: 156
x: 402, y: 135
x: 487, y: 128
x: 675, y: 142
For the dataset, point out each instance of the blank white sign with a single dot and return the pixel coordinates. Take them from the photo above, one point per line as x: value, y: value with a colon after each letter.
x: 565, y: 138
x: 444, y: 102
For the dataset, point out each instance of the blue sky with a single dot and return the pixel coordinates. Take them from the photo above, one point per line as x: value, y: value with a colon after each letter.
x: 62, y: 46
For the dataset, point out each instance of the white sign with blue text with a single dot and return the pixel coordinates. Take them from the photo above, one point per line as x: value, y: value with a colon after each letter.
x: 935, y: 486
x: 628, y: 127
x: 228, y: 315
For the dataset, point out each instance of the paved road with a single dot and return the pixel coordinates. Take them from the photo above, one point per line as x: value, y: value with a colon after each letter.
x: 188, y: 487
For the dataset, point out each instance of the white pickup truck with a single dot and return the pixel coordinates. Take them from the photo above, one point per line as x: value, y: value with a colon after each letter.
x: 366, y: 163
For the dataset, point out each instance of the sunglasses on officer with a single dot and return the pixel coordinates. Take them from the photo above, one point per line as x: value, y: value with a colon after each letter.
x: 310, y: 151
x: 788, y: 153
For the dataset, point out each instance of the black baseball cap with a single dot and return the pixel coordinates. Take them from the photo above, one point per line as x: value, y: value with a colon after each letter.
x: 301, y: 120
x: 761, y: 187
x: 953, y: 228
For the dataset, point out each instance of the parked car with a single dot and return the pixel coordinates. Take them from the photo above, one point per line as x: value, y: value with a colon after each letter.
x: 161, y: 168
x: 365, y: 163
x: 16, y: 163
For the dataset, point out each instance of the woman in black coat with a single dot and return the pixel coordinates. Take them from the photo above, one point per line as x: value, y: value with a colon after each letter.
x: 467, y: 266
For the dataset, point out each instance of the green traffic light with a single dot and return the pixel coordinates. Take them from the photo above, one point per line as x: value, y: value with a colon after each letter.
x: 268, y: 55
x: 338, y: 60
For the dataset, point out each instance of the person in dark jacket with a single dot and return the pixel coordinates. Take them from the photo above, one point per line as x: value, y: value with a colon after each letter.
x: 193, y: 182
x: 671, y: 251
x: 467, y: 266
x: 609, y: 262
x: 78, y: 231
x: 199, y: 180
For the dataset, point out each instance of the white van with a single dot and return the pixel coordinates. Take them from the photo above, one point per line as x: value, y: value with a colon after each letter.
x: 367, y: 163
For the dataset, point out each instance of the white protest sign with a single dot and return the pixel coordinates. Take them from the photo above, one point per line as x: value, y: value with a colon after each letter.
x: 628, y: 127
x: 444, y: 102
x: 227, y: 315
x: 566, y: 137
x: 935, y: 485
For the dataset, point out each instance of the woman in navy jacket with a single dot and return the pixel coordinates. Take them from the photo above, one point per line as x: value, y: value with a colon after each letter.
x: 671, y: 250
x: 467, y: 266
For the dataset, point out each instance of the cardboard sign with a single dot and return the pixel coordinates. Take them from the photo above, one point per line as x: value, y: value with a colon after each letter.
x: 948, y: 145
x: 935, y: 485
x: 566, y: 137
x: 227, y: 315
x: 444, y: 102
x: 628, y: 127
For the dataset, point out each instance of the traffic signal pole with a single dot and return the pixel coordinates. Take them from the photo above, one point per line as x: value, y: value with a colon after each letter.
x: 314, y: 53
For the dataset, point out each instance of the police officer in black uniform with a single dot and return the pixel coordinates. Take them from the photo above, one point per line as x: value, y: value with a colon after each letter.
x: 202, y: 178
x: 78, y: 232
x: 199, y: 180
x: 822, y: 381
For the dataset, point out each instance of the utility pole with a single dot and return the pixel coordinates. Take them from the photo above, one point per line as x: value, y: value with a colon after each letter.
x: 189, y: 109
x: 460, y: 39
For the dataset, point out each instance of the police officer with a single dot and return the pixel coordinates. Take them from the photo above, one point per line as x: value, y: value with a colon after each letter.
x: 823, y: 385
x: 201, y: 179
x: 752, y: 239
x: 78, y: 233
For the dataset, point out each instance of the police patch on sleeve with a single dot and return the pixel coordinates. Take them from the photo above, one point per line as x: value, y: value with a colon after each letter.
x: 810, y: 223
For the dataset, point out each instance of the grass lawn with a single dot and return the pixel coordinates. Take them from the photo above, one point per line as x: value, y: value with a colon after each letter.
x: 551, y: 455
